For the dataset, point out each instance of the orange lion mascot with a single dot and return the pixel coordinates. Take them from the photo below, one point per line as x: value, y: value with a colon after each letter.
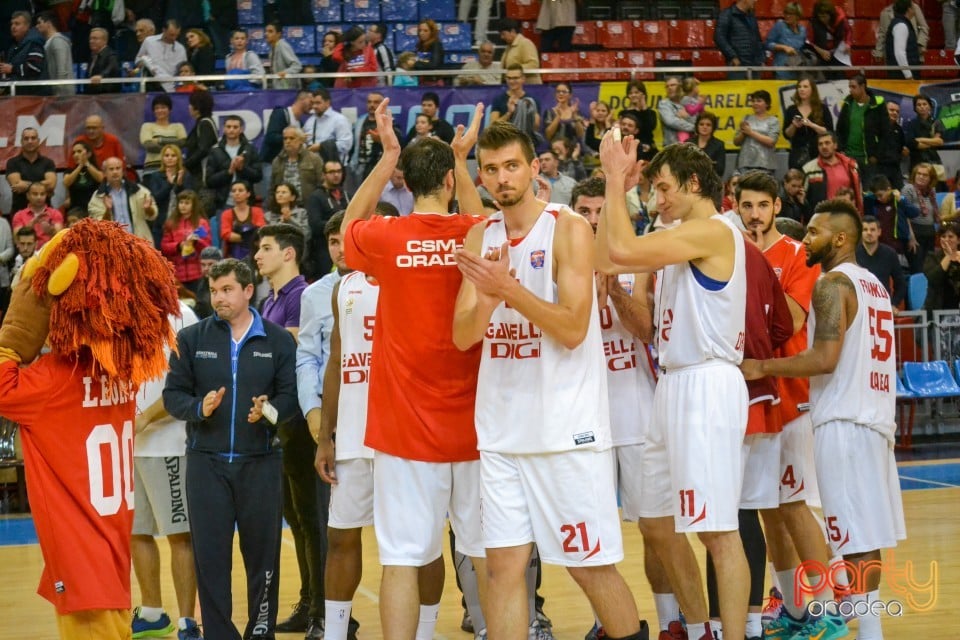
x: 99, y: 297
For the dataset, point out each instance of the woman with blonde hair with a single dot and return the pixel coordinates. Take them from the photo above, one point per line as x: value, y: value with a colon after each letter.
x: 804, y: 121
x: 786, y: 40
x: 165, y: 183
x: 200, y: 53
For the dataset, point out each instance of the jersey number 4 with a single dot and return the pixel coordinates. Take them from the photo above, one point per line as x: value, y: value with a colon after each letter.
x: 881, y: 330
x: 110, y: 468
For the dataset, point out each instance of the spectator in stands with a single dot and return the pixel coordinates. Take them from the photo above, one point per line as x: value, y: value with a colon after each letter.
x: 327, y: 63
x: 29, y: 166
x: 561, y: 185
x: 142, y: 29
x: 103, y: 63
x: 368, y: 148
x: 925, y: 135
x: 296, y: 165
x: 58, y: 53
x: 105, y: 145
x: 892, y: 148
x: 284, y: 208
x: 596, y: 128
x: 881, y: 261
x: 355, y: 55
x: 917, y: 21
x: 242, y: 62
x: 556, y: 23
x: 430, y: 106
x: 901, y: 47
x: 155, y: 135
x: 793, y: 198
x: 949, y: 20
x: 186, y: 70
x: 186, y: 234
x: 950, y: 206
x: 376, y: 34
x: 706, y: 127
x: 568, y: 158
x: 737, y: 35
x: 786, y: 40
x: 280, y: 119
x: 519, y: 50
x: 673, y: 116
x: 757, y: 136
x: 862, y: 123
x: 328, y: 131
x: 637, y: 101
x: 83, y: 181
x: 804, y: 121
x: 397, y: 194
x: 516, y: 106
x: 26, y: 59
x: 164, y: 185
x: 429, y: 52
x: 942, y: 269
x: 283, y: 60
x: 200, y: 53
x: 327, y: 199
x: 239, y: 224
x: 406, y: 62
x: 920, y: 193
x: 483, y: 70
x: 831, y: 171
x: 160, y: 55
x: 563, y: 118
x: 422, y: 128
x: 232, y: 160
x: 893, y: 213
x: 26, y: 242
x: 832, y: 35
x: 202, y: 137
x: 482, y: 24
x: 44, y: 219
x: 123, y: 201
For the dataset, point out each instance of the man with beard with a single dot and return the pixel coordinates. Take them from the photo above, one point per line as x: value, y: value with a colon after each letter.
x: 852, y: 367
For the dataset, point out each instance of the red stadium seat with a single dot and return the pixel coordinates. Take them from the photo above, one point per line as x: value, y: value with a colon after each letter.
x: 585, y: 34
x: 765, y: 26
x: 709, y: 58
x: 523, y: 9
x: 848, y: 7
x: 559, y: 61
x: 864, y: 32
x: 633, y: 60
x: 530, y: 32
x: 862, y: 58
x: 690, y: 34
x: 771, y: 8
x: 651, y: 34
x: 870, y: 8
x: 940, y: 57
x: 616, y: 34
x: 597, y: 60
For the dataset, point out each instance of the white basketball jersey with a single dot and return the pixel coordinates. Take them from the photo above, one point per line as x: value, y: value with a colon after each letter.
x: 862, y: 389
x: 630, y: 381
x: 699, y: 319
x: 534, y: 395
x: 357, y: 307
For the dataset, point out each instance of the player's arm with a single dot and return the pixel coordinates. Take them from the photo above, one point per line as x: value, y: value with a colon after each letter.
x: 566, y: 320
x: 635, y: 309
x: 463, y: 142
x: 324, y: 423
x: 834, y: 303
x: 471, y: 314
x: 365, y: 199
x: 797, y: 313
x: 149, y: 415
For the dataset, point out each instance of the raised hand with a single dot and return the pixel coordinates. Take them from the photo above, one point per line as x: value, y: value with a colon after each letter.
x: 618, y: 157
x: 211, y: 401
x: 466, y: 137
x: 385, y: 130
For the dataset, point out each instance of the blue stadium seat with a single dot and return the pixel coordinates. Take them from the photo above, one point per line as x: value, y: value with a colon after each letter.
x: 916, y: 291
x: 930, y: 379
x: 903, y: 393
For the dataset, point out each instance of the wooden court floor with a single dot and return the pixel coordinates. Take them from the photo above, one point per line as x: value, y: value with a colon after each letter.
x: 933, y: 529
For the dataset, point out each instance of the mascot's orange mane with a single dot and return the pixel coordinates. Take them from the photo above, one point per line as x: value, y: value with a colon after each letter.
x: 116, y: 307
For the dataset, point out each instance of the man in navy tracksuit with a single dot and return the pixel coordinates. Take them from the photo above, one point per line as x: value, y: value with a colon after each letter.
x: 228, y: 366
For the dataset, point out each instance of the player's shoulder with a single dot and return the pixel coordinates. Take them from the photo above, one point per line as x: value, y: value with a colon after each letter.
x: 568, y: 219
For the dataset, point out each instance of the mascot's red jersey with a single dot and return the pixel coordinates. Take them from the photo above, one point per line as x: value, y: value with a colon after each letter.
x: 77, y: 436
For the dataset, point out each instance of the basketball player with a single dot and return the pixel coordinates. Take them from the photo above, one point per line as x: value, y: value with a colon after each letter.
x: 542, y: 412
x: 791, y: 529
x: 851, y: 365
x: 692, y: 459
x: 422, y: 388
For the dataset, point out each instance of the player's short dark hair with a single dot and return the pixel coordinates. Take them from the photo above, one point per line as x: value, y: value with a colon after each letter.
x: 286, y: 235
x: 500, y: 134
x: 240, y: 269
x: 790, y: 228
x: 589, y: 188
x: 686, y: 161
x: 844, y: 212
x: 759, y: 181
x: 333, y: 224
x: 425, y: 165
x: 386, y: 209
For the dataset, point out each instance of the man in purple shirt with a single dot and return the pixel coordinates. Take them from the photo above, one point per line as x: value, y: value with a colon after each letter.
x: 278, y: 260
